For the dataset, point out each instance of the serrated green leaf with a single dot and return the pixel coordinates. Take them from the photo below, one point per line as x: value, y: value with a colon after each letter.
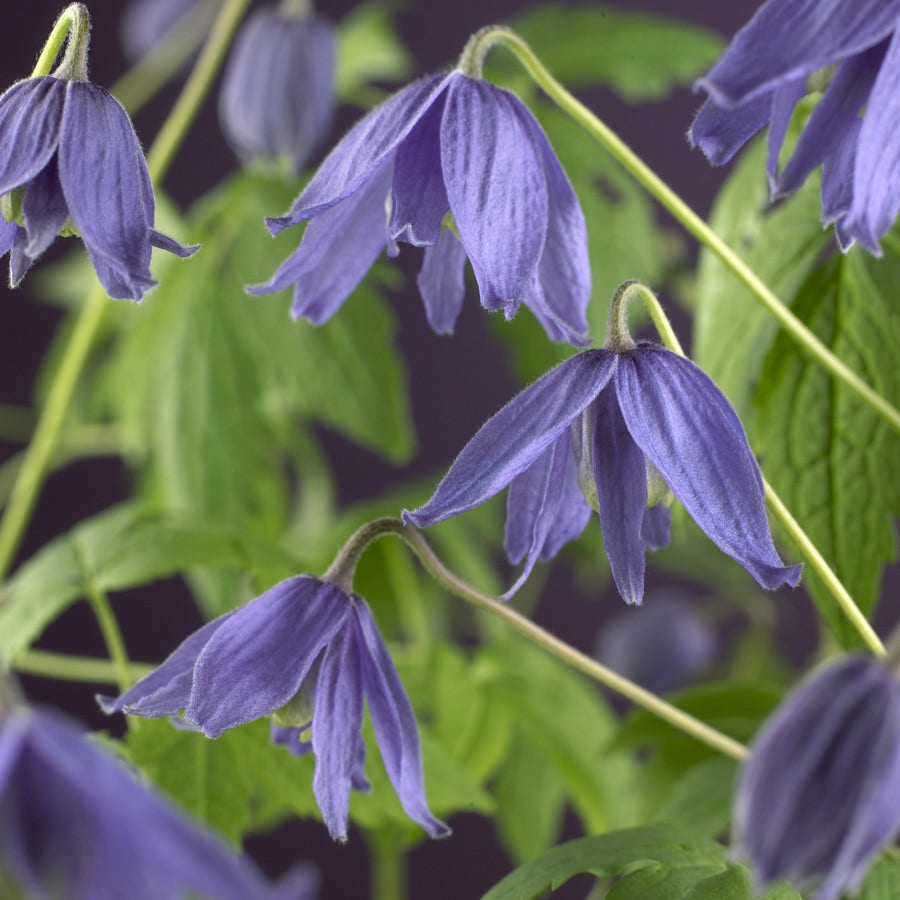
x: 663, y: 848
x: 832, y: 459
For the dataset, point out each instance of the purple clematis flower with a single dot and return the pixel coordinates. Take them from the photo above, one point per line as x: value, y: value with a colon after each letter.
x: 147, y: 22
x: 817, y: 798
x: 70, y: 160
x: 277, y: 100
x: 766, y: 70
x: 632, y: 418
x: 452, y: 143
x: 306, y: 652
x: 74, y: 823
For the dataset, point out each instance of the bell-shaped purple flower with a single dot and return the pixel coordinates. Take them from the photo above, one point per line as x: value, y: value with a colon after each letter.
x: 75, y: 823
x: 69, y: 159
x: 446, y: 143
x: 817, y: 798
x: 632, y: 418
x: 304, y: 651
x: 767, y: 69
x: 147, y: 22
x: 277, y: 100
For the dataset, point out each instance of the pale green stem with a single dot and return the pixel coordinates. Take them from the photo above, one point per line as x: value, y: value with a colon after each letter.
x: 478, y: 46
x: 341, y: 573
x: 404, y: 588
x: 74, y: 668
x: 388, y: 860
x: 74, y: 24
x: 808, y: 549
x: 112, y: 636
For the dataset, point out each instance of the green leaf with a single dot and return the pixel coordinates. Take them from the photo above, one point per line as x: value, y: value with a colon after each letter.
x: 831, y: 458
x: 883, y: 881
x: 700, y: 800
x: 118, y: 549
x: 640, y: 57
x: 668, y: 852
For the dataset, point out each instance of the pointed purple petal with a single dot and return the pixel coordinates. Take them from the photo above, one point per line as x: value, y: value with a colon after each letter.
x: 105, y: 182
x: 789, y: 39
x: 337, y: 250
x: 164, y: 242
x: 837, y: 176
x: 720, y: 133
x: 497, y: 188
x: 256, y: 661
x: 784, y: 100
x: 876, y: 178
x: 441, y: 282
x: 44, y: 210
x: 620, y: 474
x: 31, y: 114
x: 509, y: 442
x: 364, y: 149
x: 689, y: 431
x: 419, y: 201
x: 19, y: 261
x: 7, y: 235
x: 394, y: 721
x: 573, y: 513
x: 291, y: 738
x: 656, y: 527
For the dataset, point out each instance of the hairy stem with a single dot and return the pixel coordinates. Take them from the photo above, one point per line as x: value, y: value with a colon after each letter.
x: 73, y: 24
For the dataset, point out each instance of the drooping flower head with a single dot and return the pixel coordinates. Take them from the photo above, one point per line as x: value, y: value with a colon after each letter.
x: 75, y: 824
x: 147, y: 22
x: 277, y: 98
x: 615, y: 430
x: 70, y: 163
x: 817, y: 798
x: 768, y: 68
x: 457, y: 166
x: 303, y: 650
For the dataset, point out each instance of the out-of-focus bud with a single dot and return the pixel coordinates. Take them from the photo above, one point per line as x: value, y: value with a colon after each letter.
x: 147, y: 22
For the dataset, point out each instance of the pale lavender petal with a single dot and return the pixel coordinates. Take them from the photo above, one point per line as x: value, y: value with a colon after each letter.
x: 784, y: 101
x: 555, y: 327
x: 11, y: 744
x: 497, y: 189
x: 837, y: 176
x: 164, y: 242
x: 337, y: 250
x: 19, y: 261
x: 7, y: 235
x: 620, y: 474
x: 876, y: 179
x: 256, y: 660
x: 394, y: 721
x: 509, y: 442
x: 44, y: 210
x: 689, y: 431
x: 337, y: 720
x: 363, y: 150
x: 720, y: 133
x: 418, y: 199
x: 789, y: 39
x: 656, y: 527
x: 104, y: 179
x: 441, y: 282
x: 31, y: 114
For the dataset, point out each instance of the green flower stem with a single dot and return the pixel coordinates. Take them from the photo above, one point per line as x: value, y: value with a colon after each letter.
x: 388, y: 859
x: 112, y: 636
x: 810, y: 552
x: 478, y: 47
x: 74, y: 668
x: 74, y: 24
x: 342, y: 569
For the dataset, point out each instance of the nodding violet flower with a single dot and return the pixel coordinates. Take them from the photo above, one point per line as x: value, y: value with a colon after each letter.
x: 641, y: 422
x: 772, y: 63
x: 817, y: 798
x: 147, y: 22
x: 448, y: 143
x: 277, y: 98
x: 75, y: 823
x: 303, y: 643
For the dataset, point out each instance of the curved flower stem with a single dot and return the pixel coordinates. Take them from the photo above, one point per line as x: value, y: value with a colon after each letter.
x: 481, y: 42
x: 817, y: 562
x: 74, y: 24
x: 74, y: 668
x: 348, y: 556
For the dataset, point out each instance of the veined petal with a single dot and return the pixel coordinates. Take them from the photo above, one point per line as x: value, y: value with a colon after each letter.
x: 656, y: 526
x: 837, y: 176
x: 720, y: 132
x: 367, y: 145
x: 789, y: 39
x: 689, y: 431
x: 167, y: 689
x: 418, y: 200
x: 784, y: 100
x: 337, y: 249
x: 19, y: 261
x: 257, y: 659
x: 620, y: 474
x: 44, y: 210
x: 509, y: 442
x: 441, y: 282
x: 497, y: 189
x: 106, y: 186
x: 556, y: 327
x: 573, y: 513
x: 876, y: 177
x: 337, y: 720
x: 394, y: 721
x: 7, y: 235
x: 164, y: 242
x: 31, y: 114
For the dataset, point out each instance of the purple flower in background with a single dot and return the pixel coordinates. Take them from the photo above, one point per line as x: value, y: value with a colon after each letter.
x: 277, y: 98
x: 147, y: 22
x: 661, y: 647
x: 852, y: 132
x: 303, y: 640
x: 75, y: 823
x: 445, y: 143
x: 69, y: 159
x: 619, y: 412
x: 818, y: 797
